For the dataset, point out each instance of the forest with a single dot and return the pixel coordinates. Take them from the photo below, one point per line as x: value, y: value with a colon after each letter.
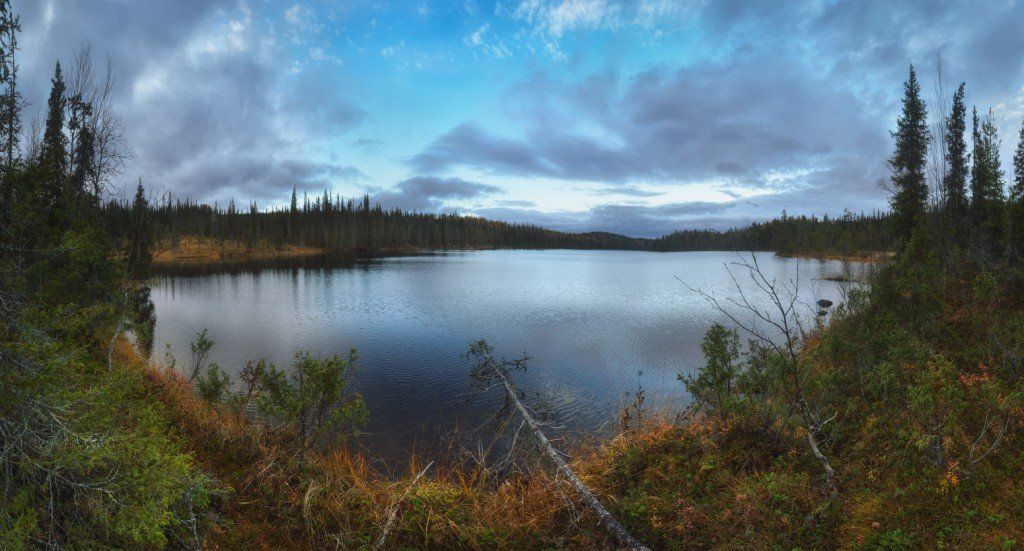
x: 339, y: 225
x: 898, y: 424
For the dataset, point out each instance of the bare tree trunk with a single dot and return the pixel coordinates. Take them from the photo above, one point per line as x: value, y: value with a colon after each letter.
x: 605, y: 518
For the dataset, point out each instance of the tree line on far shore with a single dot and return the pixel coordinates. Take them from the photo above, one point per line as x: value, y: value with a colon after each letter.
x: 358, y: 225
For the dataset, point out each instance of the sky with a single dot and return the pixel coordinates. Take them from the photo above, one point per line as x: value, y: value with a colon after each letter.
x: 634, y: 116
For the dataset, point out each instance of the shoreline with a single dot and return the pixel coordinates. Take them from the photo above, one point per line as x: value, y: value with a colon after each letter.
x: 872, y: 257
x: 209, y: 253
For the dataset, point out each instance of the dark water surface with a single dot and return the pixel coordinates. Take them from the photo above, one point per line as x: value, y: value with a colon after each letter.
x: 590, y: 321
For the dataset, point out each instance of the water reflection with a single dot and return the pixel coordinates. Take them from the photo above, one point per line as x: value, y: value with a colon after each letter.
x: 590, y: 321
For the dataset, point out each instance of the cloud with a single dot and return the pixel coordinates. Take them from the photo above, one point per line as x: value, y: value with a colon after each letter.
x: 632, y: 220
x: 393, y: 50
x: 477, y: 40
x: 431, y: 193
x: 630, y: 191
x: 737, y: 122
x: 370, y: 146
x: 313, y: 101
x: 515, y: 203
x: 209, y: 106
x: 560, y: 16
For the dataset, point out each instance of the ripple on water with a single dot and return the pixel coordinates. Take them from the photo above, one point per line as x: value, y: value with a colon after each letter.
x: 590, y: 321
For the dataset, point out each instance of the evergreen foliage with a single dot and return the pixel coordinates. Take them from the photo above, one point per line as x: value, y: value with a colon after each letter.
x: 347, y: 226
x: 1015, y: 206
x: 954, y: 184
x: 986, y: 188
x: 910, y: 157
x: 54, y: 150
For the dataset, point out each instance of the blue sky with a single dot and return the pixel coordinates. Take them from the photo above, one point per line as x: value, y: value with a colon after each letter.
x: 635, y: 116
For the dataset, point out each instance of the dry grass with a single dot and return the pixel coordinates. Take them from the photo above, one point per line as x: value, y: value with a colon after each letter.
x: 868, y: 256
x: 203, y: 250
x: 274, y: 501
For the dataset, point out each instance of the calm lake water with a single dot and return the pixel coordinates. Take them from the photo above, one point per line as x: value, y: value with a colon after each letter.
x: 591, y: 321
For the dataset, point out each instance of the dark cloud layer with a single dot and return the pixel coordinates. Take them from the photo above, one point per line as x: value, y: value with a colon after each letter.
x: 633, y: 220
x: 430, y: 193
x: 205, y: 93
x: 630, y: 191
x: 754, y: 122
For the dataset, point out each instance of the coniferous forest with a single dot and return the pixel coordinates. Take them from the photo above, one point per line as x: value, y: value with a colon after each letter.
x: 359, y: 226
x: 893, y: 420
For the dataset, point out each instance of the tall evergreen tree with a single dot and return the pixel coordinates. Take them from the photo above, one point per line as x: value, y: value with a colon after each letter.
x: 84, y: 155
x: 1015, y: 209
x: 53, y: 154
x: 910, y: 191
x: 986, y: 186
x: 293, y: 214
x: 1017, y: 189
x: 53, y: 159
x: 954, y: 184
x: 140, y: 254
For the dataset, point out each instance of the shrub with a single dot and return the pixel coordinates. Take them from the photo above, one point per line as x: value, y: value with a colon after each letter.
x: 312, y: 397
x: 714, y: 386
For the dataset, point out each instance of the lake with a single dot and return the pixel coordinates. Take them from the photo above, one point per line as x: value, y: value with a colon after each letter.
x: 596, y: 324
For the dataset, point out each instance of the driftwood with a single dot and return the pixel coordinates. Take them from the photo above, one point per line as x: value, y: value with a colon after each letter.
x: 605, y: 518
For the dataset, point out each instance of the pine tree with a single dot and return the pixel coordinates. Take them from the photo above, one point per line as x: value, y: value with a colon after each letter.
x: 986, y: 186
x: 1017, y: 190
x: 85, y: 150
x: 1015, y: 208
x: 139, y: 247
x: 53, y: 155
x: 954, y: 184
x: 293, y: 215
x: 908, y: 160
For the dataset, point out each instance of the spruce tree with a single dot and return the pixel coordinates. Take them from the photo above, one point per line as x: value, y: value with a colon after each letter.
x: 986, y: 186
x: 53, y: 154
x: 84, y: 155
x: 55, y: 196
x: 910, y: 192
x: 293, y: 214
x: 1015, y: 208
x: 139, y: 247
x: 954, y: 184
x: 1017, y: 189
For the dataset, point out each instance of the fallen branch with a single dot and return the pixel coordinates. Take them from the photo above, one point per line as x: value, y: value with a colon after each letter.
x: 113, y: 341
x: 605, y: 518
x: 394, y: 509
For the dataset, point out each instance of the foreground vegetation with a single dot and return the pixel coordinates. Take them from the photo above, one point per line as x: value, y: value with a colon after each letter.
x: 897, y: 425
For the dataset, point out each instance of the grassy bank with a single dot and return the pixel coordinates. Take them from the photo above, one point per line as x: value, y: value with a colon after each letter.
x: 867, y: 256
x: 209, y: 251
x: 196, y: 251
